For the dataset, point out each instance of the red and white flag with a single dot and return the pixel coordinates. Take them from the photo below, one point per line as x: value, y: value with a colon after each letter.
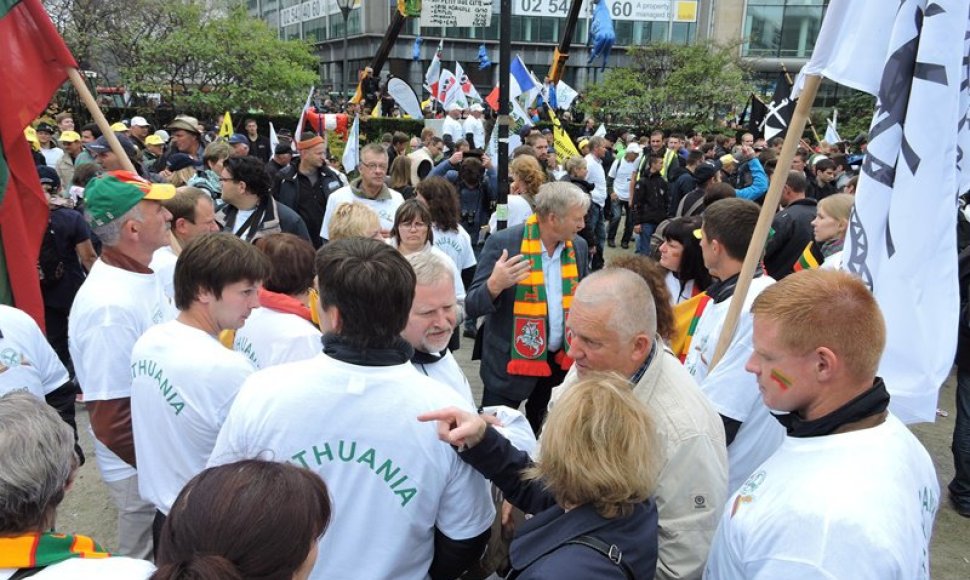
x: 449, y: 90
x: 466, y: 85
x: 431, y: 78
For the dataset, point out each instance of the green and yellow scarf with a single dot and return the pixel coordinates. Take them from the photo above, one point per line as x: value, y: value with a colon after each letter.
x: 529, y: 333
x: 44, y: 549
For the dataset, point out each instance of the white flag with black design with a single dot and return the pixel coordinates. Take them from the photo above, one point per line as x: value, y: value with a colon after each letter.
x: 902, y: 234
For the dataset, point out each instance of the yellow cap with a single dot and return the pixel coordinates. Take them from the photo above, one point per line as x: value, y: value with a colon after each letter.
x: 119, y: 127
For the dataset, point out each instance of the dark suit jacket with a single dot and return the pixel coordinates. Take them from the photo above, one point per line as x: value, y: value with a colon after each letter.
x: 496, y: 333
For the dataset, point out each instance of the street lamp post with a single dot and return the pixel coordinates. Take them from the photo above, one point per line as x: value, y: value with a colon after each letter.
x: 345, y: 8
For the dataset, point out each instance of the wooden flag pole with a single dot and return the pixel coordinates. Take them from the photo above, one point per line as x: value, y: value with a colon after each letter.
x: 772, y: 198
x: 92, y: 105
x: 791, y: 85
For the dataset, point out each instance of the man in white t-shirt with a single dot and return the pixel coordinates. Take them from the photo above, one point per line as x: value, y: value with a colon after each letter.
x: 452, y: 126
x: 28, y: 363
x: 369, y: 189
x: 597, y: 176
x: 473, y: 124
x: 120, y: 299
x: 39, y: 466
x: 622, y: 173
x: 183, y: 378
x: 851, y: 493
x: 409, y: 507
x: 193, y: 214
x: 752, y: 433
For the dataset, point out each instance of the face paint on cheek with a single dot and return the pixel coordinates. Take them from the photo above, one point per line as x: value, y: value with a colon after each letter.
x: 783, y: 382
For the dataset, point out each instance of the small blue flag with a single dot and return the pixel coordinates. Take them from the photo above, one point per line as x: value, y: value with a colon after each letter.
x: 416, y: 50
x: 483, y: 62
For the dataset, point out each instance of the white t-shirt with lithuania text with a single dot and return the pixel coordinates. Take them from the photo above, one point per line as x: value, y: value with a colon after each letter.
x: 183, y: 383
x: 392, y: 481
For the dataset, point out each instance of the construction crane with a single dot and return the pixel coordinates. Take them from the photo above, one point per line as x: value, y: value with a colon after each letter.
x: 373, y: 71
x: 561, y: 54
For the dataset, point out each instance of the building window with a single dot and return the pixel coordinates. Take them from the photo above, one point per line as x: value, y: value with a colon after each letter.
x: 782, y: 28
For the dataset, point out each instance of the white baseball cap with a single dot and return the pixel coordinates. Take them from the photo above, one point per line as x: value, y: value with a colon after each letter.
x: 139, y: 122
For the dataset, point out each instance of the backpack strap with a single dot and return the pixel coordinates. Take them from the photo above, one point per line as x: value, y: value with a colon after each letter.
x: 611, y: 551
x: 26, y: 572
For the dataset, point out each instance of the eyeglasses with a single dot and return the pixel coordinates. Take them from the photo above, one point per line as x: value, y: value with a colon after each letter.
x: 414, y: 226
x: 375, y: 166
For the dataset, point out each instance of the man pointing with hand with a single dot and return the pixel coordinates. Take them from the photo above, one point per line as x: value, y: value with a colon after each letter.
x: 524, y: 285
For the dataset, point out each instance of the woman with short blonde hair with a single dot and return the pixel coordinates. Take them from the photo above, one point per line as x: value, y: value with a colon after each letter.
x: 591, y: 487
x: 354, y: 220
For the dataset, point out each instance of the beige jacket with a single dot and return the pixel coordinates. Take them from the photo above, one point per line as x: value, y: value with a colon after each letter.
x: 692, y: 485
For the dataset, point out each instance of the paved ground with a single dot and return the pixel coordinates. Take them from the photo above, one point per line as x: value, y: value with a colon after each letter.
x: 88, y: 510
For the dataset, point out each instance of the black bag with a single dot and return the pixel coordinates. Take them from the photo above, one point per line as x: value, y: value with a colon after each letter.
x: 610, y: 551
x: 50, y: 264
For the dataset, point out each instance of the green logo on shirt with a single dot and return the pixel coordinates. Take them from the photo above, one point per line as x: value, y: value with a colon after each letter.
x: 152, y: 370
x: 347, y: 453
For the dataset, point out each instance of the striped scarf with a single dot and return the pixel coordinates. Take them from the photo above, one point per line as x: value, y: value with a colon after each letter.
x: 808, y: 260
x: 530, y: 337
x: 36, y: 549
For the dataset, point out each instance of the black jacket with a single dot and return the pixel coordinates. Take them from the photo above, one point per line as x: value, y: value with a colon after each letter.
x: 679, y: 187
x: 792, y: 232
x: 650, y: 199
x: 308, y: 200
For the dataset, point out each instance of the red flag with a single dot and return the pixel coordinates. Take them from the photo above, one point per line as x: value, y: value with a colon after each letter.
x: 492, y: 99
x: 35, y: 66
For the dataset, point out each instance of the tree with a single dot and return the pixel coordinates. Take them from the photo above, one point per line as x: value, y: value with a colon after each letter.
x: 233, y: 61
x: 203, y: 56
x: 671, y: 84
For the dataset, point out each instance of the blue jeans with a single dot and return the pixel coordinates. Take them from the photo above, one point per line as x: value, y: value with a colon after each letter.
x: 960, y: 486
x: 619, y: 206
x: 643, y: 240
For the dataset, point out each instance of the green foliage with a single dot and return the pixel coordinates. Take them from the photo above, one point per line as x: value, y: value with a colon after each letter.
x: 210, y: 63
x: 671, y: 84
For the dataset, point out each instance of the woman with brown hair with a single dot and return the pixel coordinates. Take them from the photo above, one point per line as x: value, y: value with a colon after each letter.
x: 589, y: 491
x: 282, y: 330
x: 412, y: 233
x: 251, y: 519
x: 399, y: 176
x: 442, y: 200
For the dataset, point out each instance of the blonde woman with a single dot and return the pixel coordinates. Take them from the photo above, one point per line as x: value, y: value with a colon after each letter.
x: 830, y: 224
x: 355, y: 220
x: 589, y: 492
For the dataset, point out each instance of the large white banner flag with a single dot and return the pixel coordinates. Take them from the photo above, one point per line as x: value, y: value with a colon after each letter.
x: 902, y: 234
x: 351, y: 158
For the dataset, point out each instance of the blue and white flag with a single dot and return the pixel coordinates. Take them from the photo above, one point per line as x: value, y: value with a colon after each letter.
x: 351, y: 158
x: 522, y: 82
x: 901, y: 239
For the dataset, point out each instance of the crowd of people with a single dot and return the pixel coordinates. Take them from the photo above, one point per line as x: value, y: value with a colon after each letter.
x: 264, y: 347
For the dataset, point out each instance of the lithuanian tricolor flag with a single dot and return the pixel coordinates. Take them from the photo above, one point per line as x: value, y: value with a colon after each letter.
x: 809, y: 260
x: 686, y: 316
x: 35, y: 65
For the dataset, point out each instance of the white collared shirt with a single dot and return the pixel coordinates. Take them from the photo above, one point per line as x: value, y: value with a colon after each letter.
x: 552, y: 274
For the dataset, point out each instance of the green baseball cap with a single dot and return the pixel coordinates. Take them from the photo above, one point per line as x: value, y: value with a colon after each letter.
x: 110, y: 196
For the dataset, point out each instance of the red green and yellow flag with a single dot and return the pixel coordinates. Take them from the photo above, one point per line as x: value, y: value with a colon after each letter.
x: 686, y: 316
x: 808, y: 259
x: 35, y: 63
